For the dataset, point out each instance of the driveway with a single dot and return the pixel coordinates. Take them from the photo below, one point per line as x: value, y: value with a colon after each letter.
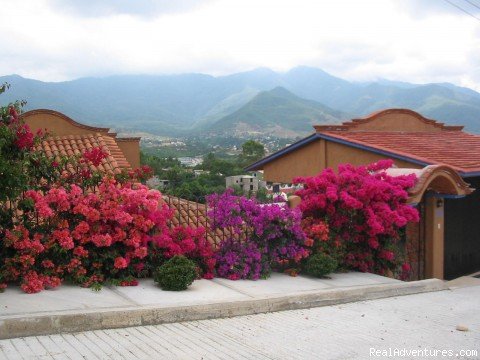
x: 364, y: 330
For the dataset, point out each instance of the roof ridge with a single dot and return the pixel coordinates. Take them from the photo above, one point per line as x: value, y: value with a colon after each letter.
x: 64, y: 117
x: 344, y: 136
x: 348, y: 125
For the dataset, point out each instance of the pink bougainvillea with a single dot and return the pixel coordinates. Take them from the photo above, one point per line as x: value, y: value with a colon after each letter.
x: 189, y: 242
x: 77, y: 224
x: 84, y: 237
x: 365, y: 210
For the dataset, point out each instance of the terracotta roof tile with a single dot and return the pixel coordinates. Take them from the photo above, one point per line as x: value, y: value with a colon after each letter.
x: 190, y: 213
x: 458, y: 149
x: 69, y: 145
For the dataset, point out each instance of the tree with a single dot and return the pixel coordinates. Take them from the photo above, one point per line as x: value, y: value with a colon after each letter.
x: 251, y: 151
x: 158, y: 164
x: 218, y: 166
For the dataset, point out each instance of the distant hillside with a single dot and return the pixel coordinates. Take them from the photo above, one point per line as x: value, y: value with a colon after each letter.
x: 185, y: 103
x: 277, y: 112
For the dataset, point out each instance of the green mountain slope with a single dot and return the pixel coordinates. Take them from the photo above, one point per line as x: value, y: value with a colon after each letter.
x: 277, y: 112
x: 189, y: 103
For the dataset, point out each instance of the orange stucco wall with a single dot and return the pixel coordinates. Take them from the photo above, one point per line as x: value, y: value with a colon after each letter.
x: 396, y: 122
x: 341, y: 154
x: 305, y: 161
x: 57, y: 125
x: 316, y: 156
x: 131, y: 150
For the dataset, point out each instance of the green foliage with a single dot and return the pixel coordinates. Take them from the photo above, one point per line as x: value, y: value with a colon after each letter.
x: 176, y: 274
x: 277, y: 112
x: 218, y: 166
x: 158, y: 164
x: 183, y: 182
x: 251, y: 151
x: 319, y: 265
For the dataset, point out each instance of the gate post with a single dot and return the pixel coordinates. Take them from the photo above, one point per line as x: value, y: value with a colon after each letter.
x: 294, y: 201
x: 434, y: 237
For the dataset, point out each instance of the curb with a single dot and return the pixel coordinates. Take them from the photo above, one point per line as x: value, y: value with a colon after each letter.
x: 75, y: 321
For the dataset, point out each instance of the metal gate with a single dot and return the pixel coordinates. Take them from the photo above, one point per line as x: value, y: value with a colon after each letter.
x: 462, y: 233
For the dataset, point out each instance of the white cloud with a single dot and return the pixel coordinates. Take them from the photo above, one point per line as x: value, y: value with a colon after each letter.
x: 358, y: 40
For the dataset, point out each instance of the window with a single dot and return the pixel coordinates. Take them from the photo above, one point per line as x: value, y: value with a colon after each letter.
x: 251, y: 187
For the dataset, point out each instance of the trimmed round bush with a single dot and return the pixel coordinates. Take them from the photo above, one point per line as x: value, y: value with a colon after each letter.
x: 176, y: 274
x: 319, y: 265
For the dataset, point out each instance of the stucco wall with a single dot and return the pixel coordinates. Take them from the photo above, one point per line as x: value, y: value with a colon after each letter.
x: 396, y: 122
x: 314, y: 157
x: 341, y: 154
x: 131, y: 150
x: 305, y: 161
x: 58, y: 125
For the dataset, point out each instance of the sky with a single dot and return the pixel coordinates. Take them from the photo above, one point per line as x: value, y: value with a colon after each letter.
x: 417, y: 41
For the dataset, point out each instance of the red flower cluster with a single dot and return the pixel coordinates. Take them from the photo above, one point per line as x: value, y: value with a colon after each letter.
x: 24, y: 137
x: 95, y: 155
x: 84, y: 237
x: 364, y: 208
x: 189, y: 242
x: 142, y: 173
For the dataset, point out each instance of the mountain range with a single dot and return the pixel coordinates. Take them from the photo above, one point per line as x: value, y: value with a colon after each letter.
x: 260, y: 101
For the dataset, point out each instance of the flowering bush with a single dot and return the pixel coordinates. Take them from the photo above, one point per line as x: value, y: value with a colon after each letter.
x: 189, y: 242
x: 88, y: 238
x: 61, y: 219
x: 274, y: 230
x: 239, y: 260
x: 364, y: 210
x: 16, y: 142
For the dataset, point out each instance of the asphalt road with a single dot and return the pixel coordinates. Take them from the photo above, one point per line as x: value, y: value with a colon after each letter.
x: 392, y: 328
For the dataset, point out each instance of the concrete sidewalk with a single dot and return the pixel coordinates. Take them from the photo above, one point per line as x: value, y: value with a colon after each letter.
x: 71, y: 309
x: 346, y: 331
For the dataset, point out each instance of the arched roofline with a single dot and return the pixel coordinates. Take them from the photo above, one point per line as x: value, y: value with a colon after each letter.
x: 64, y: 117
x: 352, y: 124
x: 438, y: 179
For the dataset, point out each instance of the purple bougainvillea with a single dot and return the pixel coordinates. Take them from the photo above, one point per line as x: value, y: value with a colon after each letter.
x: 274, y: 236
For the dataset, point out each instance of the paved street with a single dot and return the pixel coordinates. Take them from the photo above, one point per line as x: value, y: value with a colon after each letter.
x: 346, y: 331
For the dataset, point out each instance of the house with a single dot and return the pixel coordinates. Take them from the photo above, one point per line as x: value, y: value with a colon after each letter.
x: 198, y: 173
x: 191, y: 161
x: 156, y: 183
x: 68, y: 137
x: 446, y: 160
x: 246, y: 182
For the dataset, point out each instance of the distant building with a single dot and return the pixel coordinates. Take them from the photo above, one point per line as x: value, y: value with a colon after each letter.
x: 282, y: 189
x: 246, y: 182
x: 197, y: 173
x: 156, y: 183
x: 190, y: 161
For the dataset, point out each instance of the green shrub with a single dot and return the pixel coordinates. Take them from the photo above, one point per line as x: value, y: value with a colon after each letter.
x: 176, y: 274
x: 320, y: 264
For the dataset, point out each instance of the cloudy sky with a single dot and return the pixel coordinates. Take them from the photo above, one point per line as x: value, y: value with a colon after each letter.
x: 410, y: 40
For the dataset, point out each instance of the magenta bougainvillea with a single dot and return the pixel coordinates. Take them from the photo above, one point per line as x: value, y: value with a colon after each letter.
x: 267, y: 236
x: 364, y: 209
x: 189, y: 242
